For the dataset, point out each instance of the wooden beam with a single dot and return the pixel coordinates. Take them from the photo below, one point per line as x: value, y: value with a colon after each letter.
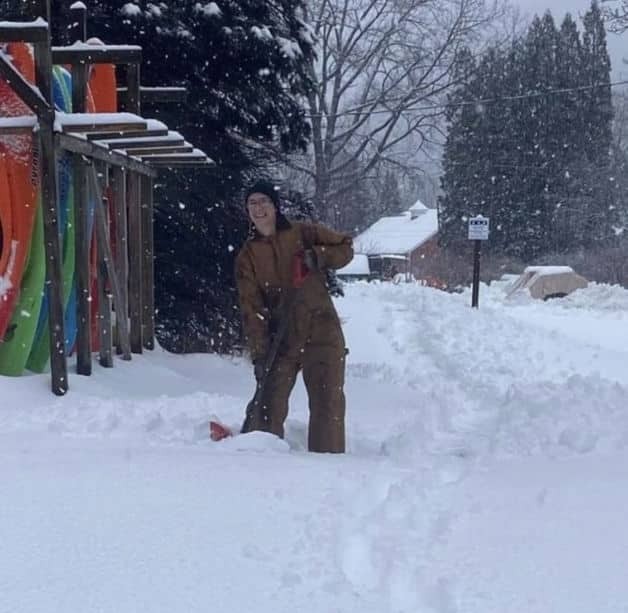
x: 93, y: 150
x: 93, y: 126
x: 105, y: 329
x: 97, y: 54
x: 78, y: 22
x: 139, y: 151
x: 155, y: 95
x: 182, y: 164
x: 15, y: 130
x: 148, y: 265
x: 165, y: 158
x: 128, y: 134
x: 82, y: 267
x: 27, y: 31
x: 103, y: 239
x: 135, y: 260
x: 83, y: 236
x: 48, y: 166
x: 118, y: 187
x: 148, y: 142
x: 30, y: 96
x: 133, y: 101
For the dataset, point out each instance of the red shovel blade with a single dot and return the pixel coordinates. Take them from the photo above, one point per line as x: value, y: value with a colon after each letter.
x: 218, y: 431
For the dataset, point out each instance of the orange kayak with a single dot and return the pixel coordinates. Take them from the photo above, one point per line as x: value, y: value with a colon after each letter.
x: 19, y: 188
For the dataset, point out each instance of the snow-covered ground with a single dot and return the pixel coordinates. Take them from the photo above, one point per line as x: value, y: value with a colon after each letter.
x: 487, y: 472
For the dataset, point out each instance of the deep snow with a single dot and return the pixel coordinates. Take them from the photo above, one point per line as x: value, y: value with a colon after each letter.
x: 486, y: 472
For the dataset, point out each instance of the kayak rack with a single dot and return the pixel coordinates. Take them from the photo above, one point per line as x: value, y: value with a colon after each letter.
x: 115, y: 160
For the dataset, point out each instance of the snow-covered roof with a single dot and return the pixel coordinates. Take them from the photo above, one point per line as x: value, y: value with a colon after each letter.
x: 418, y: 206
x: 359, y: 265
x: 401, y: 234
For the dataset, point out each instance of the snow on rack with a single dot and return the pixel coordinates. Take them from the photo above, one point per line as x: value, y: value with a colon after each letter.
x: 37, y: 23
x: 91, y: 45
x: 71, y: 119
x: 23, y: 121
x: 155, y: 124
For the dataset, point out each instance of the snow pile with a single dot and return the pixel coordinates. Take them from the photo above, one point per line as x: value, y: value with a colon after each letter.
x: 481, y: 387
x: 484, y: 473
x: 598, y: 296
x: 582, y: 415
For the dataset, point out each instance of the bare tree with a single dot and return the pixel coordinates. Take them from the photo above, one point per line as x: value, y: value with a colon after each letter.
x: 616, y: 14
x: 382, y: 72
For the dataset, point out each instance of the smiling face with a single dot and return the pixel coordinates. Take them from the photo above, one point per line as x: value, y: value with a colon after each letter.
x: 262, y: 213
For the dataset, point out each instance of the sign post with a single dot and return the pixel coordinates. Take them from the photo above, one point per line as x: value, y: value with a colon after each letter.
x: 478, y: 232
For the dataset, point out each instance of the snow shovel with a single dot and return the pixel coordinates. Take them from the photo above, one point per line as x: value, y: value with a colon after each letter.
x: 255, y: 409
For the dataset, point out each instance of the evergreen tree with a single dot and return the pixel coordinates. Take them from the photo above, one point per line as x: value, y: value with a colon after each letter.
x: 601, y: 214
x: 244, y: 66
x: 541, y: 133
x: 459, y: 179
x: 517, y: 140
x: 573, y: 167
x: 495, y: 141
x: 596, y: 68
x: 536, y: 156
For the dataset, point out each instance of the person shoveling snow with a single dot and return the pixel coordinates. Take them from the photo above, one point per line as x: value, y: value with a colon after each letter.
x: 290, y: 321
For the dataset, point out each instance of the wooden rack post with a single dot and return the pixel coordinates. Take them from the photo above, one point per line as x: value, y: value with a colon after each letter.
x: 105, y: 330
x: 134, y: 189
x: 148, y: 265
x: 118, y: 189
x: 107, y: 263
x: 49, y: 202
x: 78, y: 22
x: 135, y: 223
x: 81, y: 217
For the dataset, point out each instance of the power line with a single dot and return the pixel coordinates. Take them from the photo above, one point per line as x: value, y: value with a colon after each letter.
x: 479, y: 101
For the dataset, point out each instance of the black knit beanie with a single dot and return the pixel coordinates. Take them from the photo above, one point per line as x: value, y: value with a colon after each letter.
x: 264, y: 187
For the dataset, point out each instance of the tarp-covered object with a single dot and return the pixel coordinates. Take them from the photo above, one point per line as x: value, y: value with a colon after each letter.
x: 544, y: 282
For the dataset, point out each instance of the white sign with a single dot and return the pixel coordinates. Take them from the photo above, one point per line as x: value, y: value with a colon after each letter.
x: 478, y: 228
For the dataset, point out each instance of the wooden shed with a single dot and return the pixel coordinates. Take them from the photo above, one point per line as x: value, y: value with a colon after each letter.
x: 400, y: 244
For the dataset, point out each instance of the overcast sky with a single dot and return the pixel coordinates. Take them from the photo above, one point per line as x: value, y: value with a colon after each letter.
x: 617, y: 45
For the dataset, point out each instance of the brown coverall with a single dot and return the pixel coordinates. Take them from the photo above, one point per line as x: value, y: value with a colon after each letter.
x: 313, y: 341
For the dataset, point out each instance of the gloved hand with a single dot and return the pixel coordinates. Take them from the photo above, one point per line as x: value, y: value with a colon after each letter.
x: 310, y: 259
x: 258, y: 369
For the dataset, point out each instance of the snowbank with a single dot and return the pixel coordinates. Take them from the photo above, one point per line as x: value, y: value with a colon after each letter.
x: 483, y: 474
